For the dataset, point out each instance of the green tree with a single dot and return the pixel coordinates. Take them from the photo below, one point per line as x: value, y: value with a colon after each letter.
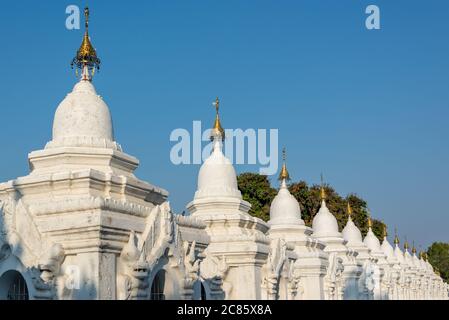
x: 438, y: 257
x: 256, y: 189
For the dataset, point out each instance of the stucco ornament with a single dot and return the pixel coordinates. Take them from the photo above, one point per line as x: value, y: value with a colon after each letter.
x: 140, y: 255
x: 333, y: 278
x: 295, y: 288
x: 273, y: 268
x: 214, y: 270
x: 370, y: 281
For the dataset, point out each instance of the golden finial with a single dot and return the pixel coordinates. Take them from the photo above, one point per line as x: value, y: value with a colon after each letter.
x: 396, y: 238
x: 370, y: 222
x: 86, y: 55
x: 217, y: 129
x: 284, y: 175
x: 349, y: 209
x: 322, y: 191
x: 406, y: 244
x: 413, y: 248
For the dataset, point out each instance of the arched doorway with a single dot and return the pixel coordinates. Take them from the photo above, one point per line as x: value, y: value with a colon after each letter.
x: 13, y: 286
x: 158, y: 285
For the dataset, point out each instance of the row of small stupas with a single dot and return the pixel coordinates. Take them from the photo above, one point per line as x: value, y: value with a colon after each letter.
x: 81, y: 225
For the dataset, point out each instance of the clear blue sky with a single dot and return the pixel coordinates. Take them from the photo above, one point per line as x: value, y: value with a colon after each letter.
x: 367, y: 108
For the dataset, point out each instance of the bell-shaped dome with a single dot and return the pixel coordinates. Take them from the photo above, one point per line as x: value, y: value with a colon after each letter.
x: 285, y: 208
x: 83, y: 119
x: 325, y: 224
x: 399, y: 254
x: 372, y: 242
x: 217, y: 177
x: 352, y: 234
x: 408, y: 259
x: 387, y: 249
x: 429, y: 266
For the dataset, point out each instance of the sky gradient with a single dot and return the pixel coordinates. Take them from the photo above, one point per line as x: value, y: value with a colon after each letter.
x: 369, y: 109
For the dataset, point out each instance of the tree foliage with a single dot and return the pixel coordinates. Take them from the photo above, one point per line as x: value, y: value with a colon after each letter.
x: 257, y: 190
x: 438, y: 255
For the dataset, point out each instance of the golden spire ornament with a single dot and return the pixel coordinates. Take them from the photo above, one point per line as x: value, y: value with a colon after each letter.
x: 413, y: 248
x: 349, y: 210
x: 217, y: 129
x: 284, y: 175
x: 86, y: 56
x: 370, y: 222
x: 406, y: 244
x: 396, y: 238
x: 322, y: 191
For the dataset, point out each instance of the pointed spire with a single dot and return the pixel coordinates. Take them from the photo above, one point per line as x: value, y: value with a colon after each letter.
x: 413, y: 248
x: 284, y: 175
x: 406, y: 246
x: 396, y: 238
x: 86, y: 57
x: 217, y: 130
x: 322, y: 191
x: 384, y: 230
x: 349, y: 211
x: 370, y: 222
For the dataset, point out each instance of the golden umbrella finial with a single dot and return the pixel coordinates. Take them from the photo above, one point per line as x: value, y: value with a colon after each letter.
x: 284, y: 175
x: 406, y: 246
x: 349, y: 209
x: 370, y: 222
x: 322, y: 191
x: 413, y: 247
x: 217, y: 129
x: 396, y: 238
x: 86, y: 56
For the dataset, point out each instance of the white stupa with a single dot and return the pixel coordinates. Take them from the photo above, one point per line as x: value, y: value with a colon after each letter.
x: 325, y: 228
x: 353, y: 236
x: 287, y: 224
x: 394, y: 271
x: 236, y: 237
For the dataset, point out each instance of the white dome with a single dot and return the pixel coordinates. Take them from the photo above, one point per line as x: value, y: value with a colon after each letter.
x: 398, y: 254
x: 422, y: 264
x: 285, y: 208
x: 352, y: 234
x: 416, y: 261
x: 429, y: 266
x: 387, y: 249
x: 217, y: 177
x: 408, y: 259
x: 83, y: 119
x: 325, y: 224
x: 372, y: 242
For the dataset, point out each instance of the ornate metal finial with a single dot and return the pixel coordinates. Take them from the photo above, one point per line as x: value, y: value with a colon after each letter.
x: 86, y: 56
x: 396, y: 238
x: 217, y: 129
x: 370, y: 222
x: 413, y: 247
x: 322, y: 191
x: 349, y: 209
x: 284, y: 175
x: 406, y: 246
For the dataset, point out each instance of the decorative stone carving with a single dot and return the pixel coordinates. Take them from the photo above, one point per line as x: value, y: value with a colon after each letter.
x: 273, y: 267
x: 333, y: 285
